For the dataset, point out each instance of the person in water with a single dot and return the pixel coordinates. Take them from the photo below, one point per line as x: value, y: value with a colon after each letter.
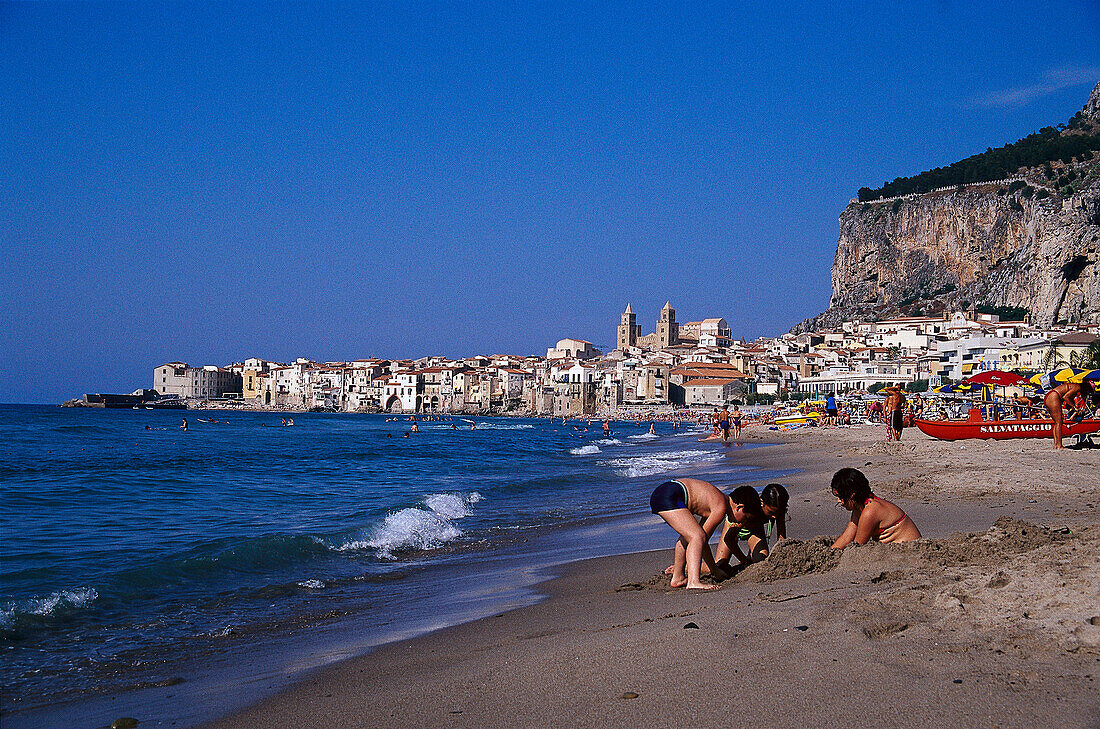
x: 183, y: 425
x: 872, y: 517
x: 724, y: 422
x: 745, y: 520
x: 694, y: 508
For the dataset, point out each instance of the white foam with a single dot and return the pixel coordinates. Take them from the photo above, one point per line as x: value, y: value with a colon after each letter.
x: 452, y: 506
x: 643, y: 436
x: 655, y: 463
x: 609, y: 441
x: 586, y: 450
x: 417, y: 528
x: 312, y: 584
x: 43, y: 606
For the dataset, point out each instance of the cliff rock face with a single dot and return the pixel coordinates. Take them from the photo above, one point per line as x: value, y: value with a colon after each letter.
x: 1003, y: 244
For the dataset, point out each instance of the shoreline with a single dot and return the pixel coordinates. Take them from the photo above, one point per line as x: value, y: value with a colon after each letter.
x: 238, y: 667
x: 1000, y: 625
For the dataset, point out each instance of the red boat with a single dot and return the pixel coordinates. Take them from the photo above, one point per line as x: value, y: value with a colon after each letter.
x: 976, y: 427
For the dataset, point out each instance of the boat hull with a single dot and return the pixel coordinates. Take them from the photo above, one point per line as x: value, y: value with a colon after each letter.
x: 1001, y: 429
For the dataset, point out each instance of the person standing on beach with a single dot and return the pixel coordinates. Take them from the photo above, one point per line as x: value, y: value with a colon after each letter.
x: 735, y: 421
x: 694, y: 508
x: 1054, y: 400
x: 830, y: 410
x: 895, y: 407
x: 724, y: 423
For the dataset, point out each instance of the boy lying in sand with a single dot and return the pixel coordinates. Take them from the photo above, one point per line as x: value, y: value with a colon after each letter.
x: 872, y: 517
x: 682, y: 503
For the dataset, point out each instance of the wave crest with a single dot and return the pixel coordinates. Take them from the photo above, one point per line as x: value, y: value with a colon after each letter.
x: 417, y: 528
x: 53, y: 605
x: 654, y: 463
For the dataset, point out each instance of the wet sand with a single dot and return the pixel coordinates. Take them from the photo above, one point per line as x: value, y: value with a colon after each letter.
x: 992, y: 620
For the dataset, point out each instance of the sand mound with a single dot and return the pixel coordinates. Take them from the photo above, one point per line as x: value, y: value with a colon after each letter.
x: 791, y: 558
x: 1017, y: 587
x: 1007, y: 537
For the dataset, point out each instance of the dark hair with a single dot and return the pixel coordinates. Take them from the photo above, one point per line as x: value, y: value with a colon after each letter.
x: 747, y: 497
x: 850, y: 483
x: 775, y: 495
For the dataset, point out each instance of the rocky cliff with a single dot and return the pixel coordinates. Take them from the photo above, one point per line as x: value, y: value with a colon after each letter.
x: 1029, y: 242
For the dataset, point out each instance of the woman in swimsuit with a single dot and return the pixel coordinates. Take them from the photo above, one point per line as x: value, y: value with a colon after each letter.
x: 872, y: 517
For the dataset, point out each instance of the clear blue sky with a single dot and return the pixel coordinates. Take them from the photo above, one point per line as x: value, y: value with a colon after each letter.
x: 207, y: 184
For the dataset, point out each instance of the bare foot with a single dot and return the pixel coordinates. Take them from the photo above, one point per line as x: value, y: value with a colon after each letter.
x: 678, y: 582
x: 670, y: 569
x: 701, y: 586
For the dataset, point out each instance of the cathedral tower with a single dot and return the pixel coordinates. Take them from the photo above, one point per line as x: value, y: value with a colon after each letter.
x: 668, y: 332
x: 628, y: 330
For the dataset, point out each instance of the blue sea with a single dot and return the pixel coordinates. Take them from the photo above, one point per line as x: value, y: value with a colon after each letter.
x: 142, y: 565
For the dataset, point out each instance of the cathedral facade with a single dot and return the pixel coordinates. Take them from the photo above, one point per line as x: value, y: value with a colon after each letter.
x: 629, y: 334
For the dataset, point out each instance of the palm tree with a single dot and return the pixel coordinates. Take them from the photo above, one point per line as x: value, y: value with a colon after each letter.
x: 1088, y: 358
x: 1052, y: 360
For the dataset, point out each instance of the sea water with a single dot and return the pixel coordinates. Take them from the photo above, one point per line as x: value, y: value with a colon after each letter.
x: 139, y: 557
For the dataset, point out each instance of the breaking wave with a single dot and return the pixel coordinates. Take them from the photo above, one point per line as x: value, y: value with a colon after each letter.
x: 652, y: 464
x: 42, y: 608
x: 585, y: 450
x: 417, y: 528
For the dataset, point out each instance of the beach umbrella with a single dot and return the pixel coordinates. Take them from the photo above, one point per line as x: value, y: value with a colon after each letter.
x: 995, y: 377
x: 1091, y: 375
x: 957, y: 388
x: 1047, y: 380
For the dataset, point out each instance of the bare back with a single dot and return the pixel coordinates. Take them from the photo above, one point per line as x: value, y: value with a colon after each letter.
x: 704, y: 498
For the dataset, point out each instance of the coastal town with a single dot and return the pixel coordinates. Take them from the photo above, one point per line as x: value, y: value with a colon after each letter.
x: 696, y: 363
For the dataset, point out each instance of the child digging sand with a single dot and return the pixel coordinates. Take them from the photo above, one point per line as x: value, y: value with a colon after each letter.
x: 682, y: 504
x: 745, y: 520
x: 872, y: 517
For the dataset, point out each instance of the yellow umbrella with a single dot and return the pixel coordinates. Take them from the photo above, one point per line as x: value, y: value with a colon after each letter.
x: 1066, y: 374
x: 1086, y: 375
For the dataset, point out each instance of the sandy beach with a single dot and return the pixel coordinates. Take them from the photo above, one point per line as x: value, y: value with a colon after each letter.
x: 991, y: 620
